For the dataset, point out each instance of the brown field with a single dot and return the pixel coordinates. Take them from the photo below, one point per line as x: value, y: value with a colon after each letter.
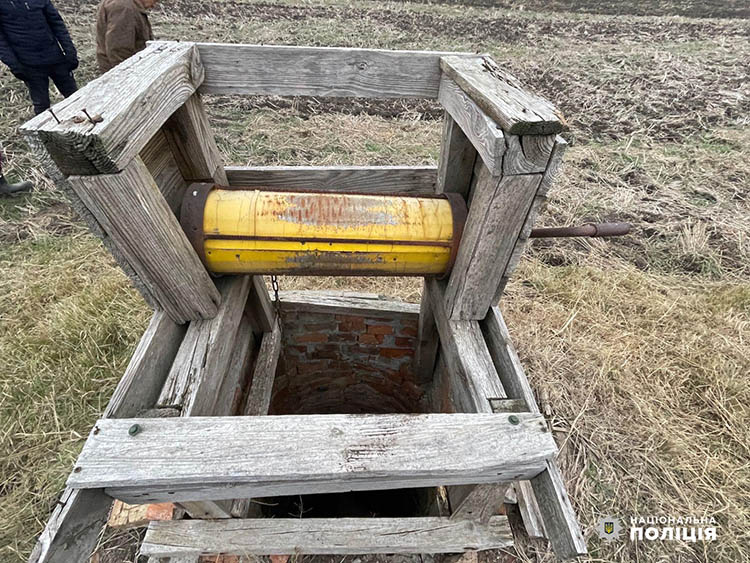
x: 640, y: 346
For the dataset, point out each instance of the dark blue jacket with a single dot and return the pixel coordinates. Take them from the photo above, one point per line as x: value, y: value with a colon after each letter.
x: 32, y: 34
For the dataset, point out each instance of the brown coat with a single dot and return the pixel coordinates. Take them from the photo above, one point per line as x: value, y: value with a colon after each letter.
x: 122, y: 29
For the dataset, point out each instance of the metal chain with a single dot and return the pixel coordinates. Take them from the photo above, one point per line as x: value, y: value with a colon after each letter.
x: 276, y: 302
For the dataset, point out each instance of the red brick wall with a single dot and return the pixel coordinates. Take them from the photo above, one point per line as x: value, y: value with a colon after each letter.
x: 346, y: 363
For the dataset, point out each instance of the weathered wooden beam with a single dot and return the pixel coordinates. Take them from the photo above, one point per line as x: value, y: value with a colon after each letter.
x: 196, y: 458
x: 474, y: 380
x: 413, y: 180
x: 259, y: 307
x: 339, y: 536
x: 133, y: 100
x: 485, y: 135
x: 554, y: 165
x: 137, y: 218
x: 200, y: 366
x: 275, y: 70
x: 502, y: 96
x: 193, y: 144
x: 158, y: 158
x: 481, y: 504
x: 264, y: 373
x: 79, y: 516
x: 346, y: 302
x: 528, y: 154
x: 457, y: 158
x: 560, y: 522
x: 243, y: 354
x: 498, y: 209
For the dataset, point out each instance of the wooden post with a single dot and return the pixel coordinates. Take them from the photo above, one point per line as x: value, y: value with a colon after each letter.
x: 136, y: 216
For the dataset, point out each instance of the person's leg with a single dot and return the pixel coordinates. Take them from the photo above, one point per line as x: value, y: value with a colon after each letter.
x: 37, y: 81
x: 64, y: 80
x: 10, y: 189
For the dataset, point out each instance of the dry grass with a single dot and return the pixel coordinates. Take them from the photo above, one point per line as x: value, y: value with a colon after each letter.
x: 640, y: 345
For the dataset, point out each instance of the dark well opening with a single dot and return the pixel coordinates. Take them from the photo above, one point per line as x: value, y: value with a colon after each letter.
x: 359, y: 362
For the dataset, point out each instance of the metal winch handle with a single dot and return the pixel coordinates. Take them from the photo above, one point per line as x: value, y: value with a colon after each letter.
x: 589, y: 230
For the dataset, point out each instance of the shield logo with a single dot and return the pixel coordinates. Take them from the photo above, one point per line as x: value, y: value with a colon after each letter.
x: 609, y: 527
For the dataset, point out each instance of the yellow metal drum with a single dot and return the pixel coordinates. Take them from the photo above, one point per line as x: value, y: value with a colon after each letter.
x: 259, y: 231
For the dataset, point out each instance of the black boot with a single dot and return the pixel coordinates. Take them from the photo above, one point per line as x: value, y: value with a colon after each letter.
x: 13, y: 189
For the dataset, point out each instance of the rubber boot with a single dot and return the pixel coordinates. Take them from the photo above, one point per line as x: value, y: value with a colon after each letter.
x: 13, y: 189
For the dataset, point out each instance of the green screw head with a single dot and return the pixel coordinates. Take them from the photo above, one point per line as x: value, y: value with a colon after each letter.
x: 513, y: 419
x: 133, y: 430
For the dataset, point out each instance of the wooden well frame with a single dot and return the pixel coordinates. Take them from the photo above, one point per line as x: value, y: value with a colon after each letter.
x: 125, y: 172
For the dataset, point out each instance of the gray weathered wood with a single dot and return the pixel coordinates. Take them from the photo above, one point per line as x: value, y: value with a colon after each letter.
x: 193, y: 144
x: 153, y: 357
x: 259, y: 307
x: 528, y: 154
x: 498, y: 210
x: 457, y: 157
x: 481, y: 503
x: 473, y: 376
x: 158, y: 158
x: 559, y: 518
x: 560, y: 522
x: 502, y: 96
x: 205, y: 354
x: 319, y: 71
x: 201, y: 369
x: 553, y: 168
x: 74, y: 526
x: 346, y: 303
x: 413, y: 180
x: 427, y: 340
x: 243, y: 353
x: 195, y: 458
x: 133, y: 99
x: 137, y: 218
x: 264, y: 373
x: 508, y: 405
x: 483, y: 133
x: 339, y: 536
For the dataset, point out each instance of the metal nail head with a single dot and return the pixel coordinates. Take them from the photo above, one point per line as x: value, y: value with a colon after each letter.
x: 135, y: 429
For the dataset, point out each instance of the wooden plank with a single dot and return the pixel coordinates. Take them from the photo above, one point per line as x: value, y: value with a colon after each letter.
x: 193, y: 144
x: 481, y: 503
x: 153, y: 356
x: 483, y: 133
x: 346, y: 303
x: 560, y: 522
x: 134, y: 214
x: 528, y: 154
x: 264, y: 374
x: 502, y: 96
x: 133, y: 99
x: 195, y: 458
x: 276, y: 70
x: 74, y: 526
x: 427, y: 341
x: 496, y: 216
x: 201, y: 363
x: 339, y: 536
x: 243, y: 353
x: 158, y: 158
x: 259, y: 307
x: 474, y: 379
x: 553, y: 168
x: 413, y: 180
